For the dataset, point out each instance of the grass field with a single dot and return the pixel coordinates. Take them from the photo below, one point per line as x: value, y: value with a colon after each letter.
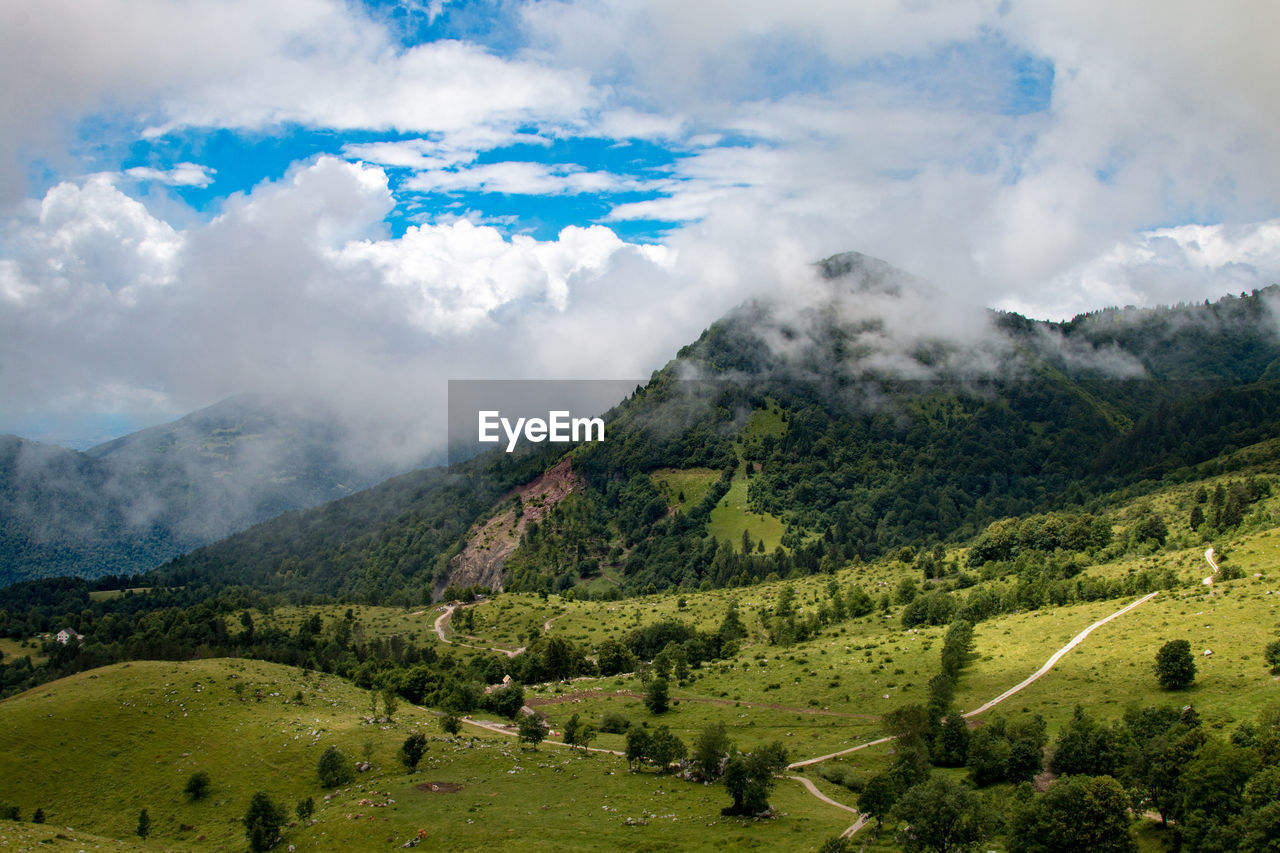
x: 693, y: 483
x: 128, y: 737
x: 14, y: 649
x: 732, y: 516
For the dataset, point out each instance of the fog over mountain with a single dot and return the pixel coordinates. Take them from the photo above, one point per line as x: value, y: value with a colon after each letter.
x: 131, y: 503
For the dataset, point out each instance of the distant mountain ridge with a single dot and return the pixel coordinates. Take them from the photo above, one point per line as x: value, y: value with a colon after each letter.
x: 129, y: 504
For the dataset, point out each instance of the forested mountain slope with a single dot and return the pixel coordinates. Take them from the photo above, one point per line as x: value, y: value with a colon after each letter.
x: 852, y: 422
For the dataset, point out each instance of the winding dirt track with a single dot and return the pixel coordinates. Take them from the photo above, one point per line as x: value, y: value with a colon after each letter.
x: 1213, y: 564
x: 510, y: 731
x: 1049, y: 664
x: 443, y: 619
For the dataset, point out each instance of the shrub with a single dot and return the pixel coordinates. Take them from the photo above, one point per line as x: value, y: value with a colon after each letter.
x: 334, y: 768
x: 198, y: 785
x: 262, y: 822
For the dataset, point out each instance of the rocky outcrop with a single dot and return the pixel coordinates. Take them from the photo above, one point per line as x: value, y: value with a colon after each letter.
x: 490, y: 542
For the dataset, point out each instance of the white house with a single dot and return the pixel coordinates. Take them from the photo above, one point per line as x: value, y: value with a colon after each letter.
x: 64, y: 636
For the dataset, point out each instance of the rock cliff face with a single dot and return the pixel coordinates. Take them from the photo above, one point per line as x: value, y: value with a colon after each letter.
x: 490, y: 542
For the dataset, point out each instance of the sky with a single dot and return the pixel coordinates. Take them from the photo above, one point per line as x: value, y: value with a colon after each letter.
x: 361, y: 200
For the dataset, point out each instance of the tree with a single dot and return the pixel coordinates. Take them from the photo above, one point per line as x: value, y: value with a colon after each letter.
x: 306, y: 808
x: 532, y: 730
x: 578, y: 733
x: 1026, y: 760
x: 666, y: 747
x: 639, y: 746
x: 144, y: 824
x: 506, y: 701
x: 262, y: 822
x: 412, y: 750
x: 1151, y: 528
x: 909, y: 725
x: 878, y: 797
x: 731, y: 627
x: 451, y: 724
x: 334, y: 768
x: 390, y: 701
x: 38, y: 817
x: 198, y: 785
x: 957, y: 648
x: 942, y: 816
x: 613, y: 658
x: 571, y: 727
x: 710, y: 749
x: 1272, y: 654
x: 656, y: 696
x: 1086, y: 747
x: 1175, y: 667
x: 749, y: 778
x: 1078, y: 813
x: 1213, y: 783
x: 988, y: 757
x: 951, y: 748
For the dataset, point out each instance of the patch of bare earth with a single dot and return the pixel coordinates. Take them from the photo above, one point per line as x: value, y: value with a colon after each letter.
x: 490, y: 543
x: 438, y: 787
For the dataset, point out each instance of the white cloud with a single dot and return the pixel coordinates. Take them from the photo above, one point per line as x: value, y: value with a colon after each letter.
x: 91, y: 240
x: 296, y: 288
x: 251, y: 65
x: 444, y: 86
x: 1160, y: 112
x: 671, y: 52
x: 1164, y: 266
x: 181, y: 175
x: 417, y: 154
x: 523, y: 178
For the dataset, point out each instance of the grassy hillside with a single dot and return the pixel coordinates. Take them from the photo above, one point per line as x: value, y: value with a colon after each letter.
x: 128, y: 737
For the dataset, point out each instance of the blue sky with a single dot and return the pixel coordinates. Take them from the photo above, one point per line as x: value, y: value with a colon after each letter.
x: 310, y: 195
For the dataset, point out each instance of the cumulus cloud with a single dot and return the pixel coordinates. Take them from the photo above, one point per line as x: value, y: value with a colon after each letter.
x: 927, y: 139
x: 250, y: 65
x: 1166, y: 265
x: 295, y: 288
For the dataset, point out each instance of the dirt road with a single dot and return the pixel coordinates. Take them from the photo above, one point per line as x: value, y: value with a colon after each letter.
x: 1208, y: 556
x: 1049, y: 664
x: 443, y: 620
